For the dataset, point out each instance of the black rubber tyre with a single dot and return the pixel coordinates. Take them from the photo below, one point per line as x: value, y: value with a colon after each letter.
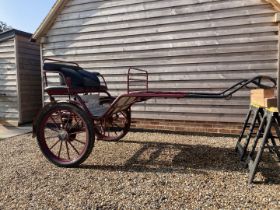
x: 69, y: 127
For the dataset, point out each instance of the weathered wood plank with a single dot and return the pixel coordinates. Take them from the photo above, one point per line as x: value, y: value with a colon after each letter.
x: 7, y: 60
x: 235, y: 101
x: 8, y: 80
x: 167, y: 17
x: 75, y: 33
x: 200, y: 68
x: 7, y: 43
x: 108, y: 4
x: 183, y: 77
x: 193, y: 7
x: 4, y: 115
x: 190, y: 109
x: 204, y: 50
x: 183, y: 36
x: 128, y: 7
x: 5, y: 50
x: 247, y: 56
x: 161, y: 44
x: 30, y: 79
x: 190, y: 116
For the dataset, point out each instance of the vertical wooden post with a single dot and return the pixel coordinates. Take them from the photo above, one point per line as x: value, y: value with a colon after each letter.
x: 42, y: 40
x: 18, y: 82
x: 277, y: 20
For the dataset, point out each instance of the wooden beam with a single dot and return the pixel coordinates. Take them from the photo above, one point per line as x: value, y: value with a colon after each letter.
x: 263, y: 97
x: 275, y: 3
x: 277, y: 20
x: 49, y: 19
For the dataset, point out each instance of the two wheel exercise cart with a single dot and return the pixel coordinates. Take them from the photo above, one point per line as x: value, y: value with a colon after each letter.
x: 81, y: 109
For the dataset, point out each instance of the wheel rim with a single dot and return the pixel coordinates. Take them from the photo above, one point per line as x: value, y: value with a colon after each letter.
x: 64, y: 136
x: 113, y: 128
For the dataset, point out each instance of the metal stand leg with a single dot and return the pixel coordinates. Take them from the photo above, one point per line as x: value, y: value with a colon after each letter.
x: 256, y: 139
x: 253, y: 164
x: 275, y: 125
x: 257, y: 117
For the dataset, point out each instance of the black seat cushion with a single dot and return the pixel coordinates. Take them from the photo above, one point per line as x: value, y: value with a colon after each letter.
x: 79, y: 76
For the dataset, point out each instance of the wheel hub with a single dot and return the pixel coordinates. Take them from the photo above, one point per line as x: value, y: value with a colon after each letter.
x: 63, y: 135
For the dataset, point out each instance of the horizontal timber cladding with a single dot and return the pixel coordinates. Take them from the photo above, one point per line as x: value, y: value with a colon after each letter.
x: 204, y: 45
x: 8, y: 81
x: 28, y: 58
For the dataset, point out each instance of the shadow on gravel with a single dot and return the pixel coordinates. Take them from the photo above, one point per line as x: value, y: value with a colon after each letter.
x: 180, y: 158
x: 270, y: 169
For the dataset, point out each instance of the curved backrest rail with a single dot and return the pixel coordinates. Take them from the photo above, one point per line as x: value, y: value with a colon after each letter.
x: 60, y: 61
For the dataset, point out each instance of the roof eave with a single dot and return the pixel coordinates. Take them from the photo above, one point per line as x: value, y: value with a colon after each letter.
x: 275, y: 3
x: 49, y: 19
x: 12, y: 33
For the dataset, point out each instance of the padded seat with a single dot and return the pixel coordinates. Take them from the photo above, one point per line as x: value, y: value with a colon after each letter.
x: 79, y: 77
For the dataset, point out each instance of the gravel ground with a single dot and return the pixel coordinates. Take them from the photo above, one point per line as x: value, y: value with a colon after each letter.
x: 145, y: 171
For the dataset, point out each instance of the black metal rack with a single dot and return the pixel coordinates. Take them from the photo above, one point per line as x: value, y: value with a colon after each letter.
x: 262, y: 126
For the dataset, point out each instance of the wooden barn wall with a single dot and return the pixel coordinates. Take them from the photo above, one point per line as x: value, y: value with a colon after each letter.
x: 8, y: 81
x: 204, y: 45
x: 29, y: 78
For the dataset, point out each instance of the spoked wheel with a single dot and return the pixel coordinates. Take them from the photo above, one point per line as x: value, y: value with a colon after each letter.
x: 115, y: 127
x: 65, y: 134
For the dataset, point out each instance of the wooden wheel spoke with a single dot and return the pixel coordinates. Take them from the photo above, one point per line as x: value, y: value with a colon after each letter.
x: 122, y: 120
x: 60, y: 116
x: 117, y: 126
x: 51, y: 137
x: 55, y: 123
x: 74, y: 148
x: 114, y: 127
x: 79, y: 141
x: 59, y: 151
x: 102, y: 128
x: 77, y: 123
x: 66, y: 125
x: 54, y: 144
x: 76, y: 132
x: 65, y: 134
x: 52, y: 129
x: 67, y: 150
